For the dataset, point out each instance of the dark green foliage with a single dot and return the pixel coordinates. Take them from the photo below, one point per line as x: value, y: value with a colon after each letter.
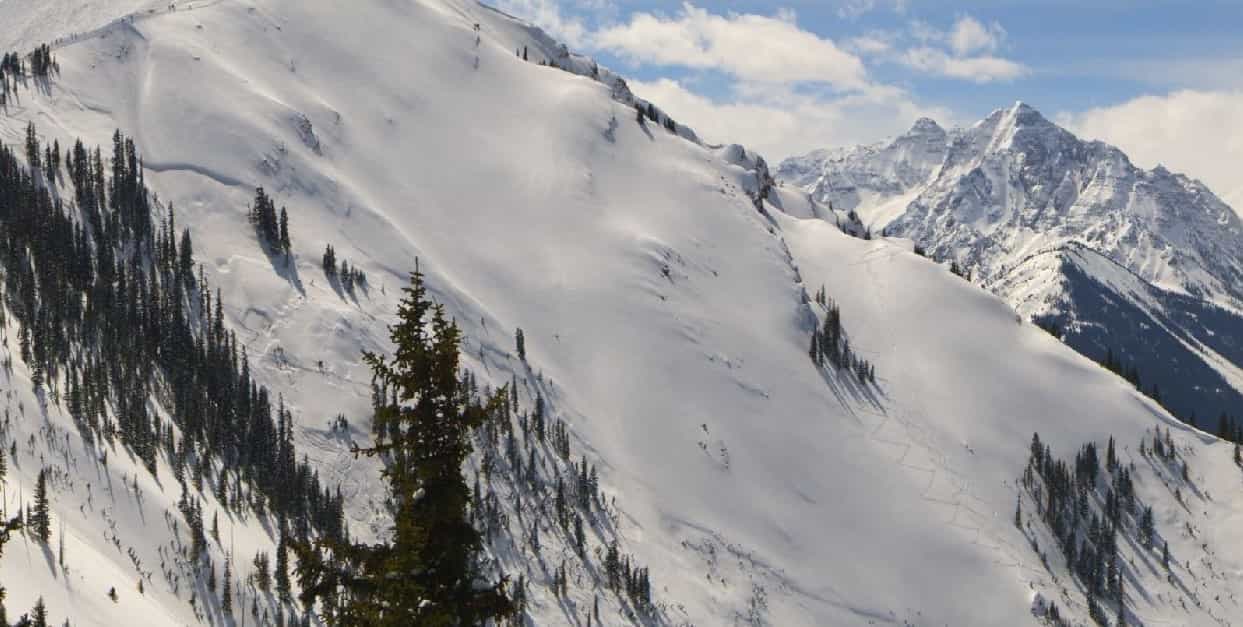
x: 281, y: 572
x: 829, y: 344
x: 329, y: 262
x: 6, y: 532
x: 348, y: 277
x: 263, y: 573
x: 42, y: 63
x: 1087, y: 509
x: 273, y: 231
x: 521, y: 343
x: 226, y: 591
x: 108, y: 309
x: 38, y: 615
x: 40, y: 514
x: 285, y: 244
x: 428, y: 574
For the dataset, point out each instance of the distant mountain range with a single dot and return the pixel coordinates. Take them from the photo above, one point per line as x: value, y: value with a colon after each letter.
x: 1145, y: 266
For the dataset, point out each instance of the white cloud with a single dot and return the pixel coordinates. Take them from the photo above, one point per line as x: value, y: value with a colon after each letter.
x: 967, y: 51
x: 779, y: 122
x: 852, y: 9
x: 969, y: 35
x: 750, y: 47
x: 1199, y: 133
x: 547, y: 15
x: 981, y: 69
x: 789, y: 90
x: 872, y: 44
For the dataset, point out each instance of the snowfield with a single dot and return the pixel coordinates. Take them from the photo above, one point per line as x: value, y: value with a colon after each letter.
x: 667, y: 321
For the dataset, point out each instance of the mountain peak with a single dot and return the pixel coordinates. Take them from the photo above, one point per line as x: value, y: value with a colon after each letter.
x: 1018, y: 116
x: 924, y: 126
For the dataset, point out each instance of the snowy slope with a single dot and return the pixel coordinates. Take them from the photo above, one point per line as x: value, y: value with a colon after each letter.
x: 1099, y: 307
x: 999, y: 196
x: 666, y: 318
x: 115, y: 527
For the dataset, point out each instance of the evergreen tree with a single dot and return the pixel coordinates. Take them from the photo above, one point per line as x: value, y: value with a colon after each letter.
x: 329, y: 262
x: 521, y: 343
x: 226, y: 596
x: 428, y: 573
x: 185, y: 264
x: 41, y: 518
x: 38, y: 615
x: 281, y: 574
x: 263, y: 574
x: 284, y: 232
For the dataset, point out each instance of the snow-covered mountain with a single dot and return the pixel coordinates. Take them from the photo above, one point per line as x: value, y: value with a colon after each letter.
x: 1004, y: 197
x: 1015, y: 183
x: 664, y: 290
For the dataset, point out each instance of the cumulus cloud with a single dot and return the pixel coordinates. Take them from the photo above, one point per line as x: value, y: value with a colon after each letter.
x: 967, y: 51
x: 980, y: 69
x: 1196, y: 132
x: 969, y: 35
x: 547, y: 15
x: 786, y: 90
x: 780, y: 122
x: 749, y: 47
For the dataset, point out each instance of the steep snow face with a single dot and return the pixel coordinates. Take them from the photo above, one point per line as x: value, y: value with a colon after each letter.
x: 29, y: 23
x: 665, y: 315
x: 1015, y: 184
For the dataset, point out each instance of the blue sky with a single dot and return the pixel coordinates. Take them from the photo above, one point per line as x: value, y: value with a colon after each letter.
x: 1154, y: 77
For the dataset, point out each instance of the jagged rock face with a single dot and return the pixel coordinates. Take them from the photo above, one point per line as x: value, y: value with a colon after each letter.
x: 1015, y: 184
x: 850, y: 178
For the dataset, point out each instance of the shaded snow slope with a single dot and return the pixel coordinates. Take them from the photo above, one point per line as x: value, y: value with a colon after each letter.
x: 1187, y: 347
x: 666, y: 318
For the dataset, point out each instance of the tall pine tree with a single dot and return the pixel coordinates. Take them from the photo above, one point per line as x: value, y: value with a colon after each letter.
x: 428, y: 573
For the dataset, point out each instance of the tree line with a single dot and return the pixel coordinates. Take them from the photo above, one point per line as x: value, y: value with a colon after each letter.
x: 112, y: 318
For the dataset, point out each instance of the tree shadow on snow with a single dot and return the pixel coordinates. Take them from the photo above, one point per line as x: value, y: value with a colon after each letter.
x: 850, y: 391
x: 284, y: 265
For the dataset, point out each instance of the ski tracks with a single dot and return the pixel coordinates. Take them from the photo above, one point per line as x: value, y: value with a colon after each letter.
x: 914, y: 448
